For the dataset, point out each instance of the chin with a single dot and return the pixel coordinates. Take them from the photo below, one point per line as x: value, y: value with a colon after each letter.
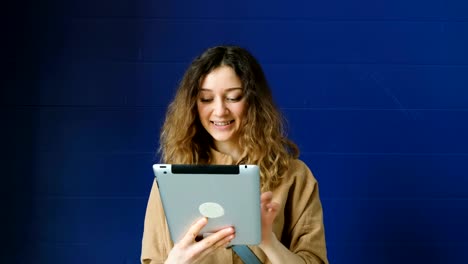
x: 222, y: 139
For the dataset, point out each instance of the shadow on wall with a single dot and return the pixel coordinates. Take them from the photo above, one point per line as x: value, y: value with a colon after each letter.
x: 404, y: 225
x: 27, y: 36
x: 403, y: 233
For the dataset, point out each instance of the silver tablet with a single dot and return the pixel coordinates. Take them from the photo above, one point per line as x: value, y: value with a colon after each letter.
x: 228, y: 195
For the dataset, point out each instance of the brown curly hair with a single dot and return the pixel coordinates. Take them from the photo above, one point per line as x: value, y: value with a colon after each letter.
x: 263, y: 139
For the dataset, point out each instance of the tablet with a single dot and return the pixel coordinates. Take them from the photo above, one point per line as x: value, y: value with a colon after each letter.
x: 228, y: 195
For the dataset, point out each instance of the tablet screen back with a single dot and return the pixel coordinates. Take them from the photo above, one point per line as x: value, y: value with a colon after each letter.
x: 228, y: 195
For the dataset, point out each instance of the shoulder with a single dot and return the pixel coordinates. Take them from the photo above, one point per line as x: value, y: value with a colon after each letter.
x: 299, y: 171
x: 297, y: 177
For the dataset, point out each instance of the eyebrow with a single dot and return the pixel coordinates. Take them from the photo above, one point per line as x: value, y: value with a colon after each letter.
x: 228, y: 89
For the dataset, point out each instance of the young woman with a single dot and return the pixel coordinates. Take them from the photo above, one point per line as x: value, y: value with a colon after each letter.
x: 223, y: 113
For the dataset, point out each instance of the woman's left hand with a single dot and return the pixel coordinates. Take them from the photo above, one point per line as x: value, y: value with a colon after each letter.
x: 269, y: 210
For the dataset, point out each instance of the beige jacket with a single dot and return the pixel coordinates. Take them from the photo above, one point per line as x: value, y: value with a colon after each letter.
x: 299, y: 224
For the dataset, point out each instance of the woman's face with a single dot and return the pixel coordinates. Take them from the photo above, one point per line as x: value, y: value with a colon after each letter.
x: 221, y: 105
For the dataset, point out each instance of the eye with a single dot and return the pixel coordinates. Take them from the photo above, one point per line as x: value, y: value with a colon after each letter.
x: 206, y: 100
x: 234, y: 99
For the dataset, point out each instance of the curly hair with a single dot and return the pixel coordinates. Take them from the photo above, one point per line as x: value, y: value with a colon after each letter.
x: 263, y: 137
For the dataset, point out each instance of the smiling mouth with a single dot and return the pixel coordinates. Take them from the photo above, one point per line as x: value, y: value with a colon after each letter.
x: 223, y: 123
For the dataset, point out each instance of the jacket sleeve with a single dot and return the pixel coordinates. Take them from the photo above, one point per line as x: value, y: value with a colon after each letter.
x: 306, y: 232
x: 156, y: 242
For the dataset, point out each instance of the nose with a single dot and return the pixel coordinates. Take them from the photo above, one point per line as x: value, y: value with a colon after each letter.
x: 219, y: 108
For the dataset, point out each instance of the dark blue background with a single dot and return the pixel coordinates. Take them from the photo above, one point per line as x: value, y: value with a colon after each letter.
x: 375, y: 93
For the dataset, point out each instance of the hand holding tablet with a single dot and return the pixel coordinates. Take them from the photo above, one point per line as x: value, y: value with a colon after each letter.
x: 188, y: 250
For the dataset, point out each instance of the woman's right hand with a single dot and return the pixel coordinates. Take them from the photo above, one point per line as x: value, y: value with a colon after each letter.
x: 187, y: 250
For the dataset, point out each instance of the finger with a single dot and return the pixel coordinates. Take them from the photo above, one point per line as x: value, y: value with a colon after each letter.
x: 193, y: 231
x: 224, y: 242
x: 266, y: 197
x: 207, y: 245
x: 273, y: 206
x: 215, y: 238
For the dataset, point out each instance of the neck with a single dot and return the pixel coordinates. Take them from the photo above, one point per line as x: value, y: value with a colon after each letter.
x: 229, y: 148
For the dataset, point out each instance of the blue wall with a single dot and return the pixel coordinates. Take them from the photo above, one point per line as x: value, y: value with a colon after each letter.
x: 375, y: 93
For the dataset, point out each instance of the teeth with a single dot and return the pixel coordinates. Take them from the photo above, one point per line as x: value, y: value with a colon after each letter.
x: 222, y: 123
